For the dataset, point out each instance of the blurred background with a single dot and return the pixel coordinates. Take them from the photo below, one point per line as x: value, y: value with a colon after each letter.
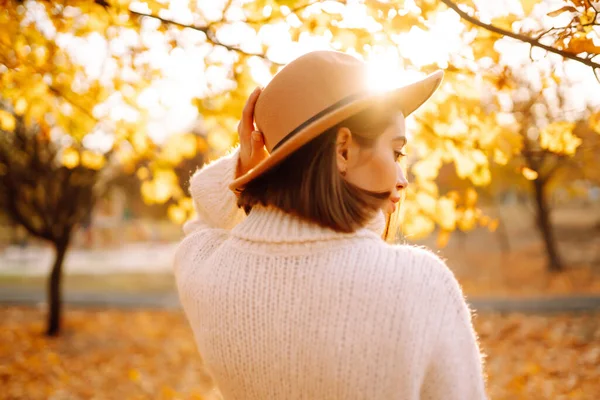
x: 107, y: 107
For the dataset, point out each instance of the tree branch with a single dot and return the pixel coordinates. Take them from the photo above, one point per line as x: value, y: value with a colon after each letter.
x: 292, y: 11
x: 83, y: 110
x: 7, y: 183
x: 210, y: 35
x: 519, y: 37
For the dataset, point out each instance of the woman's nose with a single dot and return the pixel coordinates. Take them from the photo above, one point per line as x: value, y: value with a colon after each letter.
x: 401, y: 181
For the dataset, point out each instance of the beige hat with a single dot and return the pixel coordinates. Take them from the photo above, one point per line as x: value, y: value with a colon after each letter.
x: 314, y: 93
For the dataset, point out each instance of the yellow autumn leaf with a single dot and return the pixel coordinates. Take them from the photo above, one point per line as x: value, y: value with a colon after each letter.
x: 464, y: 163
x: 528, y: 5
x: 582, y: 44
x: 187, y: 204
x: 484, y: 47
x: 134, y: 375
x: 426, y: 202
x: 92, y: 160
x: 189, y: 145
x: 493, y: 225
x: 471, y: 197
x: 220, y: 141
x: 595, y: 122
x: 588, y: 17
x: 36, y: 111
x: 467, y: 220
x: 141, y: 142
x: 176, y: 214
x: 149, y: 192
x: 161, y: 187
x: 532, y: 368
x: 417, y: 226
x: 446, y: 213
x: 201, y: 145
x: 143, y: 173
x: 481, y: 176
x: 155, y: 6
x: 500, y: 157
x: 529, y: 174
x: 70, y: 158
x: 505, y: 22
x: 442, y: 238
x: 453, y: 195
x: 178, y: 147
x: 7, y: 121
x: 20, y: 106
x: 558, y: 137
x: 484, y: 221
x: 427, y: 186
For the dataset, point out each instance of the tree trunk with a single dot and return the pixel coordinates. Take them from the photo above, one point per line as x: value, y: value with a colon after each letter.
x: 503, y: 238
x: 54, y: 288
x: 545, y: 227
x: 501, y: 232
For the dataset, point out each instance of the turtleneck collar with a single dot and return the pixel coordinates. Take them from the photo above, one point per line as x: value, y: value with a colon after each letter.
x: 270, y: 224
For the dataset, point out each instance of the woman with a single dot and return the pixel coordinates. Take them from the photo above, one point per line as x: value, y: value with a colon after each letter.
x: 289, y: 289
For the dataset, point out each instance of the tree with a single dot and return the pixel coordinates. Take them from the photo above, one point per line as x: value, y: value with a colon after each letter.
x: 55, y: 106
x: 45, y: 196
x: 556, y: 151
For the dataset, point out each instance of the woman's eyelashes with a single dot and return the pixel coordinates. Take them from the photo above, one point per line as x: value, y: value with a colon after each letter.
x: 398, y: 155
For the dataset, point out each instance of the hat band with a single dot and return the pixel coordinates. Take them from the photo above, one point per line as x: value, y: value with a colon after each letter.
x: 346, y: 100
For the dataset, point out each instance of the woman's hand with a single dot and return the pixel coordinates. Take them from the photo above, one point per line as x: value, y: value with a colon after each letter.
x: 252, y: 144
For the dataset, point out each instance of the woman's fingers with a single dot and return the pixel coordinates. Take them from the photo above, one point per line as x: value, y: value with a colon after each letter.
x: 246, y: 125
x: 252, y: 144
x: 258, y: 146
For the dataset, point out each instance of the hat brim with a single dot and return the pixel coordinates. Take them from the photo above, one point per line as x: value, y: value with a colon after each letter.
x: 406, y: 99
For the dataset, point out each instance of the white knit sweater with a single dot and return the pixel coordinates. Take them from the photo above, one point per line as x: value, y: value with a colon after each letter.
x: 282, y: 308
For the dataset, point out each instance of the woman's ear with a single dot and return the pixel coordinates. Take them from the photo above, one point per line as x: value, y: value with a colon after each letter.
x: 342, y: 149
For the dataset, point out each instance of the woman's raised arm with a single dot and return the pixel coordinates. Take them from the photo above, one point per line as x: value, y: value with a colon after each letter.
x: 214, y: 203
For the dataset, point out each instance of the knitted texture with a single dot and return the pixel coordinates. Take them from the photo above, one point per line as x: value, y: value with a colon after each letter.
x: 282, y: 308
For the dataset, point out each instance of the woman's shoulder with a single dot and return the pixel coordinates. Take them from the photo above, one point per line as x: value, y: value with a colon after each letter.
x: 418, y: 264
x: 413, y: 255
x: 433, y: 273
x: 420, y: 255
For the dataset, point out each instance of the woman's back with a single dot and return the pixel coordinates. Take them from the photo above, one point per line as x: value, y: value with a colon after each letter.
x: 284, y: 309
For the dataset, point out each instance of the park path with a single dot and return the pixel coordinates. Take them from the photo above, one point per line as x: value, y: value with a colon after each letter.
x: 147, y: 257
x: 11, y: 296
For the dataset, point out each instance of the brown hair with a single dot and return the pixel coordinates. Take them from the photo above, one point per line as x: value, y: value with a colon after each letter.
x: 308, y: 184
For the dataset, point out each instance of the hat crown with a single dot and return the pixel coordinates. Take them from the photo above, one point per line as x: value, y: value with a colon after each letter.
x: 304, y: 88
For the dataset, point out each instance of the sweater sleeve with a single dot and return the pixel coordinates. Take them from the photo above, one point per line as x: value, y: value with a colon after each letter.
x: 455, y: 369
x: 214, y: 203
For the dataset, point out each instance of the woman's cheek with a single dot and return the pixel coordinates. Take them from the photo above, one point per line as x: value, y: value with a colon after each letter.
x: 385, y: 175
x: 377, y: 174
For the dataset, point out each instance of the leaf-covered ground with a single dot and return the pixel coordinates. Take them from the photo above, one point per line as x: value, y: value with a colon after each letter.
x: 114, y: 354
